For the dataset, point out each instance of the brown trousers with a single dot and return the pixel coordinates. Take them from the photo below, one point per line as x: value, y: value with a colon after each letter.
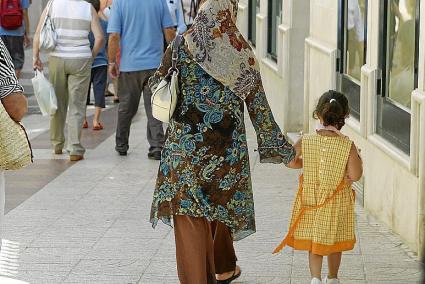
x: 202, y: 249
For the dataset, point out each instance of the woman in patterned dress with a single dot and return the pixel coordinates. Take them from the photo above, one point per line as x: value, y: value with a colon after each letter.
x: 204, y: 181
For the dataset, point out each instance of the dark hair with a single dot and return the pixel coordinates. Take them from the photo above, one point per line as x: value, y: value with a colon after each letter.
x: 332, y: 108
x: 95, y: 4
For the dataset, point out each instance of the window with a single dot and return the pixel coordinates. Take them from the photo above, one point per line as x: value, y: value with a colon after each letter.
x: 274, y: 20
x: 352, y: 46
x: 254, y: 9
x: 399, y: 64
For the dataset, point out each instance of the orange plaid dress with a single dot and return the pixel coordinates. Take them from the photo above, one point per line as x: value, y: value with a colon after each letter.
x: 323, y: 213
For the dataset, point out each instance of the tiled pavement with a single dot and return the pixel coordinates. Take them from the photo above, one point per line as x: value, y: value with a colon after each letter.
x: 90, y: 225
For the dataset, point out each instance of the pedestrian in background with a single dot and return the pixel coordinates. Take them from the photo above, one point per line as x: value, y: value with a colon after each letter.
x: 15, y: 103
x: 190, y: 8
x: 204, y: 180
x: 138, y: 29
x: 16, y: 38
x: 176, y: 11
x: 99, y: 71
x: 105, y: 7
x: 70, y: 69
x: 323, y: 214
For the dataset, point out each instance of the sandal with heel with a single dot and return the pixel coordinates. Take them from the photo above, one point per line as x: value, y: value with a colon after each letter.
x: 229, y: 280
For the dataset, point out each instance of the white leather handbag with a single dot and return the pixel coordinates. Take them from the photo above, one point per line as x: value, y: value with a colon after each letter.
x: 48, y: 35
x: 164, y: 98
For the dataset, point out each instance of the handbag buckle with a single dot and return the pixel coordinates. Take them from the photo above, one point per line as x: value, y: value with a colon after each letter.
x: 172, y: 70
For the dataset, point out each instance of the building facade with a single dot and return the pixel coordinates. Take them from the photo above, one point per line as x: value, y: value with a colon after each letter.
x: 374, y: 52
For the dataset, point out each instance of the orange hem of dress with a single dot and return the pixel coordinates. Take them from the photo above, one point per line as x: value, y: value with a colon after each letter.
x: 320, y: 249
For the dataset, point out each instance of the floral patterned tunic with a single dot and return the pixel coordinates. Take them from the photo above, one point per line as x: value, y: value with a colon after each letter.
x: 204, y: 169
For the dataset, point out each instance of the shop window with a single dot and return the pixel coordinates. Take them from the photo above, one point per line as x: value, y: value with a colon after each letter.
x: 352, y: 50
x: 274, y: 20
x: 254, y: 9
x: 399, y: 64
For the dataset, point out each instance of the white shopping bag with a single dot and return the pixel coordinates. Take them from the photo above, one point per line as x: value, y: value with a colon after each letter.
x: 44, y: 93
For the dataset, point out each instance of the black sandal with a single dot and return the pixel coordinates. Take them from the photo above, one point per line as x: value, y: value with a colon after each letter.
x: 229, y: 280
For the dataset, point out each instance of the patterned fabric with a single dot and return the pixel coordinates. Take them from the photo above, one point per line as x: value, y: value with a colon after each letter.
x: 330, y: 228
x: 219, y: 47
x: 204, y: 169
x: 8, y: 82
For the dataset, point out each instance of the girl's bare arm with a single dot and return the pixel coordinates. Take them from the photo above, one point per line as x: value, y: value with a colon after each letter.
x: 354, y: 165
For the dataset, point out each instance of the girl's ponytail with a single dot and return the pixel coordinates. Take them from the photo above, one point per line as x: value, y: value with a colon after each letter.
x: 332, y: 108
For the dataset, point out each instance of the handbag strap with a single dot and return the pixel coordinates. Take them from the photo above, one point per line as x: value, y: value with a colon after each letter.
x: 49, y: 7
x: 175, y: 52
x: 49, y: 10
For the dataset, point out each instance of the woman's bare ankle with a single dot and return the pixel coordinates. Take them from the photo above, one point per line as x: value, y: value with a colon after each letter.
x: 227, y: 275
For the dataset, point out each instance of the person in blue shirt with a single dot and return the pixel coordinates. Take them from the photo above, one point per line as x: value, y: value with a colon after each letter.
x: 99, y: 71
x: 138, y: 29
x: 15, y: 40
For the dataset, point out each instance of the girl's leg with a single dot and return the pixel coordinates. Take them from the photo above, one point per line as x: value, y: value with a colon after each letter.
x: 96, y: 118
x: 100, y: 78
x: 334, y: 261
x: 194, y: 250
x: 85, y: 123
x: 224, y: 252
x: 315, y: 262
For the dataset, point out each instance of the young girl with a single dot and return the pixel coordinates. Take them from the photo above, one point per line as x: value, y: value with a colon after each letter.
x: 99, y: 70
x: 323, y: 214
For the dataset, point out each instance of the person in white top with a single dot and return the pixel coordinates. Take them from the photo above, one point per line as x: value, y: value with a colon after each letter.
x: 176, y: 10
x: 355, y: 26
x: 189, y: 10
x: 70, y: 69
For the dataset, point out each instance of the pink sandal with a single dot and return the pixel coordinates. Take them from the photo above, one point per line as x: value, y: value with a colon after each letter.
x: 98, y: 127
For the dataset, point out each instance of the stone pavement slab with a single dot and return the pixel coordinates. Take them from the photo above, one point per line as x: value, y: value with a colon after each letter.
x: 90, y: 225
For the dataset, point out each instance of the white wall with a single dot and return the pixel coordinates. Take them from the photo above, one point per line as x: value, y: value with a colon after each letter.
x: 392, y: 180
x: 283, y: 80
x: 394, y: 183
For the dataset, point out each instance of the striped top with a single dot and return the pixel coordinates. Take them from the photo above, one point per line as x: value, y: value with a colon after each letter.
x: 72, y: 20
x: 8, y: 82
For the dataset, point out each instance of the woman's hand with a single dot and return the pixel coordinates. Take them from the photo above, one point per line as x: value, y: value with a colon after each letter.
x: 27, y: 41
x: 37, y: 64
x: 297, y: 162
x: 16, y: 106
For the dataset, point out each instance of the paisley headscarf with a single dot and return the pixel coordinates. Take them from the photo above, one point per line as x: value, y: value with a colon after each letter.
x: 220, y: 49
